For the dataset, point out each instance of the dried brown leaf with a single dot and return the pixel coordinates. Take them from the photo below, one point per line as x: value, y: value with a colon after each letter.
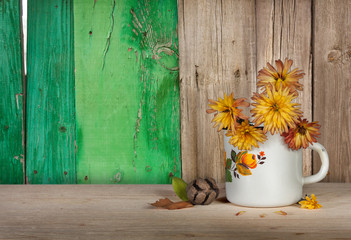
x: 164, y: 202
x: 263, y: 215
x: 168, y: 204
x: 240, y: 213
x: 179, y: 205
x: 281, y: 213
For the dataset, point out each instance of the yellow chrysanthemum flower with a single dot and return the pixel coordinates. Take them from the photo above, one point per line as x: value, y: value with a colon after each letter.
x: 276, y: 110
x: 246, y: 136
x: 227, y: 111
x: 310, y: 203
x: 280, y: 77
x: 302, y: 135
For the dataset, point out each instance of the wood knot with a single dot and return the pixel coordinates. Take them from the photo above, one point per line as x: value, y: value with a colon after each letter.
x: 118, y: 176
x: 334, y: 55
x: 348, y: 55
x: 237, y: 74
x: 63, y: 129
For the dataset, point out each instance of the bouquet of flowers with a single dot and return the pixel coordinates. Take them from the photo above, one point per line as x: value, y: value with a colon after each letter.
x: 273, y: 106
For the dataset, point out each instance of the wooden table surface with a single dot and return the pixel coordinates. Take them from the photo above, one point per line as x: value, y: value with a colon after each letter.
x: 124, y: 212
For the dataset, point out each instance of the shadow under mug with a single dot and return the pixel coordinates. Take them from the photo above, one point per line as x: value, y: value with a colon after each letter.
x: 268, y: 176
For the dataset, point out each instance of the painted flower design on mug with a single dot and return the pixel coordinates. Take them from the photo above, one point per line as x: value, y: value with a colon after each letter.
x: 242, y: 163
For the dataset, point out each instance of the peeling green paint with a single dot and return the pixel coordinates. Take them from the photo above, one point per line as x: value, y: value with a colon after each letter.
x: 11, y: 94
x: 127, y: 91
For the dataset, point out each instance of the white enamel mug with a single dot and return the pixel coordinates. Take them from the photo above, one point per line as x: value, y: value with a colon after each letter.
x: 268, y: 176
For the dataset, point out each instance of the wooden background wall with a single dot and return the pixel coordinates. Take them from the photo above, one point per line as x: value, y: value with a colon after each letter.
x: 102, y: 92
x: 12, y: 150
x: 127, y: 91
x: 223, y: 43
x: 104, y: 104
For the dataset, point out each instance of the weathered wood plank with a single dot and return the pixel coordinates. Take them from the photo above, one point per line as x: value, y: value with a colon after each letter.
x: 217, y: 56
x: 11, y: 94
x: 284, y: 30
x: 124, y: 212
x: 127, y: 91
x: 332, y: 85
x: 50, y: 93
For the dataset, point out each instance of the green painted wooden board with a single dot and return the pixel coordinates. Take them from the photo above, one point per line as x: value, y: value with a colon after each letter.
x: 50, y: 93
x: 11, y: 94
x: 127, y: 91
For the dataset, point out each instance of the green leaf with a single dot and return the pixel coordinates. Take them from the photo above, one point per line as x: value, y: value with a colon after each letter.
x: 228, y: 176
x: 229, y: 163
x: 233, y: 154
x: 179, y: 187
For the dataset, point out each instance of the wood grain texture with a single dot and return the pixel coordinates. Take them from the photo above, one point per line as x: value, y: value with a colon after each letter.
x: 50, y: 93
x: 127, y: 91
x: 217, y: 56
x: 11, y: 94
x: 284, y: 31
x: 124, y: 212
x: 332, y: 85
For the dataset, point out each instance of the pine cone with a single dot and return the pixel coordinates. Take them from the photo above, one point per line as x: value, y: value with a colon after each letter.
x: 202, y: 191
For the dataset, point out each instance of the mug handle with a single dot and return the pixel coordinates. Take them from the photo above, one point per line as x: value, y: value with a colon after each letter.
x: 323, y: 155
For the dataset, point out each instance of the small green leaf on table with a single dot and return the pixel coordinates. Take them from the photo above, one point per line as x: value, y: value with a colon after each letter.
x: 179, y: 187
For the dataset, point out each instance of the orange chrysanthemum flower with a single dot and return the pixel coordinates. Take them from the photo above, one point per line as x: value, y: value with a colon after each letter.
x: 227, y: 111
x: 276, y: 110
x: 302, y: 135
x: 310, y: 203
x: 280, y: 77
x: 246, y: 136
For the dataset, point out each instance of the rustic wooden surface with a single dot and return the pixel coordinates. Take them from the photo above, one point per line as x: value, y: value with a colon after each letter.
x: 222, y: 46
x: 124, y: 212
x: 217, y: 56
x: 127, y: 91
x: 284, y: 30
x: 50, y: 109
x: 11, y: 94
x: 332, y: 86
